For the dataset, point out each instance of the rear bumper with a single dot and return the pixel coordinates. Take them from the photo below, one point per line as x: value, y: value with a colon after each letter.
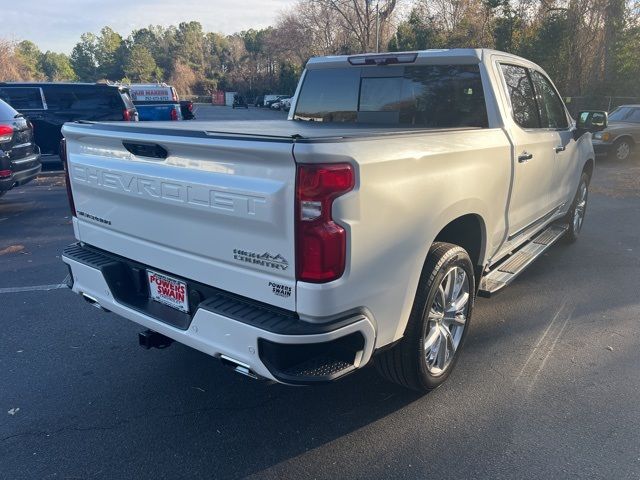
x: 270, y: 343
x: 24, y: 170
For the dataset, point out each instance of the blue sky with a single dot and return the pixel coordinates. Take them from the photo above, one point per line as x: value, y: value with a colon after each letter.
x: 57, y: 24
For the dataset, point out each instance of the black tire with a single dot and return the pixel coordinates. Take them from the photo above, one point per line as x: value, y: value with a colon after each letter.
x: 575, y: 227
x: 622, y: 150
x: 406, y: 363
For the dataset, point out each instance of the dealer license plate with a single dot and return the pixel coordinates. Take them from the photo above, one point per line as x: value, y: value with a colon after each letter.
x: 168, y: 291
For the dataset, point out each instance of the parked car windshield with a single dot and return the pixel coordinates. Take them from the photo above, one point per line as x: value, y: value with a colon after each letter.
x: 430, y: 96
x: 625, y: 114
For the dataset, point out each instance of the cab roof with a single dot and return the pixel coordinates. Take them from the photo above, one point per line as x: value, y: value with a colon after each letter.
x: 432, y: 57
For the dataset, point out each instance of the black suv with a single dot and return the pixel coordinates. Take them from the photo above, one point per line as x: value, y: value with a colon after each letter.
x: 19, y: 155
x: 49, y: 105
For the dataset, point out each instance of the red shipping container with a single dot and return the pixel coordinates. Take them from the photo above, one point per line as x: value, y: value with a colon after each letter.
x: 217, y: 97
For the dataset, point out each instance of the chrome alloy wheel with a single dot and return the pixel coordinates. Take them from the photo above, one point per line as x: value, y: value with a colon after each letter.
x: 580, y: 208
x: 447, y: 321
x: 623, y: 150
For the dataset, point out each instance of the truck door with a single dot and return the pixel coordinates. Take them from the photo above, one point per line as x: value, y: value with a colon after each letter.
x: 534, y: 150
x: 553, y: 116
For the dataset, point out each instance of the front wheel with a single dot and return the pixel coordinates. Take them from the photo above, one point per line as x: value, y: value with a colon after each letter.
x: 438, y: 322
x: 622, y: 150
x: 575, y: 216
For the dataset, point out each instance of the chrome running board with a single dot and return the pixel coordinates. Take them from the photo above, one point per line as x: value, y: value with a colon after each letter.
x: 505, y: 272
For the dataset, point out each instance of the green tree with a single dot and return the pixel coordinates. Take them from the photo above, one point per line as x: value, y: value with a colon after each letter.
x: 140, y: 65
x: 83, y: 58
x: 190, y: 45
x: 288, y: 78
x: 109, y: 54
x: 30, y: 55
x: 415, y: 34
x: 57, y: 67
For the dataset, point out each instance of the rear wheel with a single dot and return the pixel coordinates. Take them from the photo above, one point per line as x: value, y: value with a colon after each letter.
x: 438, y: 323
x: 575, y: 216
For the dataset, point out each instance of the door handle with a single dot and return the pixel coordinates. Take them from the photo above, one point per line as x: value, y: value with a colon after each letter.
x: 560, y: 148
x: 525, y: 157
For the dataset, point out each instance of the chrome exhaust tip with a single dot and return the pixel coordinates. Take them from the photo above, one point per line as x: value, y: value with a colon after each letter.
x: 238, y: 367
x: 92, y: 301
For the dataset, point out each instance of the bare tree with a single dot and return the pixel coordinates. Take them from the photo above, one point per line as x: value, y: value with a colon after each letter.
x: 362, y: 19
x: 11, y: 66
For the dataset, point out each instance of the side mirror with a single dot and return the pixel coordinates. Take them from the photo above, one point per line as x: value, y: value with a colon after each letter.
x: 592, y: 121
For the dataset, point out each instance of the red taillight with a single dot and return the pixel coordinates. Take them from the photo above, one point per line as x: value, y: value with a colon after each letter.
x: 6, y: 133
x: 174, y: 114
x: 321, y: 244
x: 5, y: 173
x: 190, y: 106
x: 65, y: 164
x: 126, y: 115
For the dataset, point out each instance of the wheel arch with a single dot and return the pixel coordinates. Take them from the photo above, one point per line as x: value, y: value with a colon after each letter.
x: 625, y: 136
x: 467, y: 231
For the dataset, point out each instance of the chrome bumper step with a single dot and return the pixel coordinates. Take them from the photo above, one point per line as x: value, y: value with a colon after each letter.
x: 506, y: 271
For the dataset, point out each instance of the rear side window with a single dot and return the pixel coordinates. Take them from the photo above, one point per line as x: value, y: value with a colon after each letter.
x: 6, y: 112
x: 68, y: 97
x: 552, y: 114
x: 22, y: 98
x: 428, y: 96
x: 523, y: 100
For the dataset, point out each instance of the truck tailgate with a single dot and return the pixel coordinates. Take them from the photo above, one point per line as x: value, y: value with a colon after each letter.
x: 217, y: 210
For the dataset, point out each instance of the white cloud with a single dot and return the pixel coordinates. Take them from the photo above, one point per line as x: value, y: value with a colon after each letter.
x: 57, y: 25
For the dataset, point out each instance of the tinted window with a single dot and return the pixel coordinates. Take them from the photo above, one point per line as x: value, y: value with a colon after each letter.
x: 329, y: 95
x: 432, y: 96
x: 69, y: 97
x: 634, y: 116
x: 552, y: 114
x: 22, y: 98
x: 523, y: 101
x: 6, y: 112
x: 620, y: 114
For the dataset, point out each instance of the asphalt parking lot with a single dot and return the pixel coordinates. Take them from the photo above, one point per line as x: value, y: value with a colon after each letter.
x: 548, y: 385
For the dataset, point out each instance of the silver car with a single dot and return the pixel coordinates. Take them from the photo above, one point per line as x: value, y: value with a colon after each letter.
x: 622, y: 134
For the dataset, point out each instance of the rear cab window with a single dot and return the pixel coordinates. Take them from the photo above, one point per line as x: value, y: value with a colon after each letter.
x: 23, y: 98
x: 420, y: 96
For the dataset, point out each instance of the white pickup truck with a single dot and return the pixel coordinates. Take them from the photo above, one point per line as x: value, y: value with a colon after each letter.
x: 357, y: 231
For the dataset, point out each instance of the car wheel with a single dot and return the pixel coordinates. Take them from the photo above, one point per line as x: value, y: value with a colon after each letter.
x: 575, y: 216
x: 438, y: 322
x: 622, y: 150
